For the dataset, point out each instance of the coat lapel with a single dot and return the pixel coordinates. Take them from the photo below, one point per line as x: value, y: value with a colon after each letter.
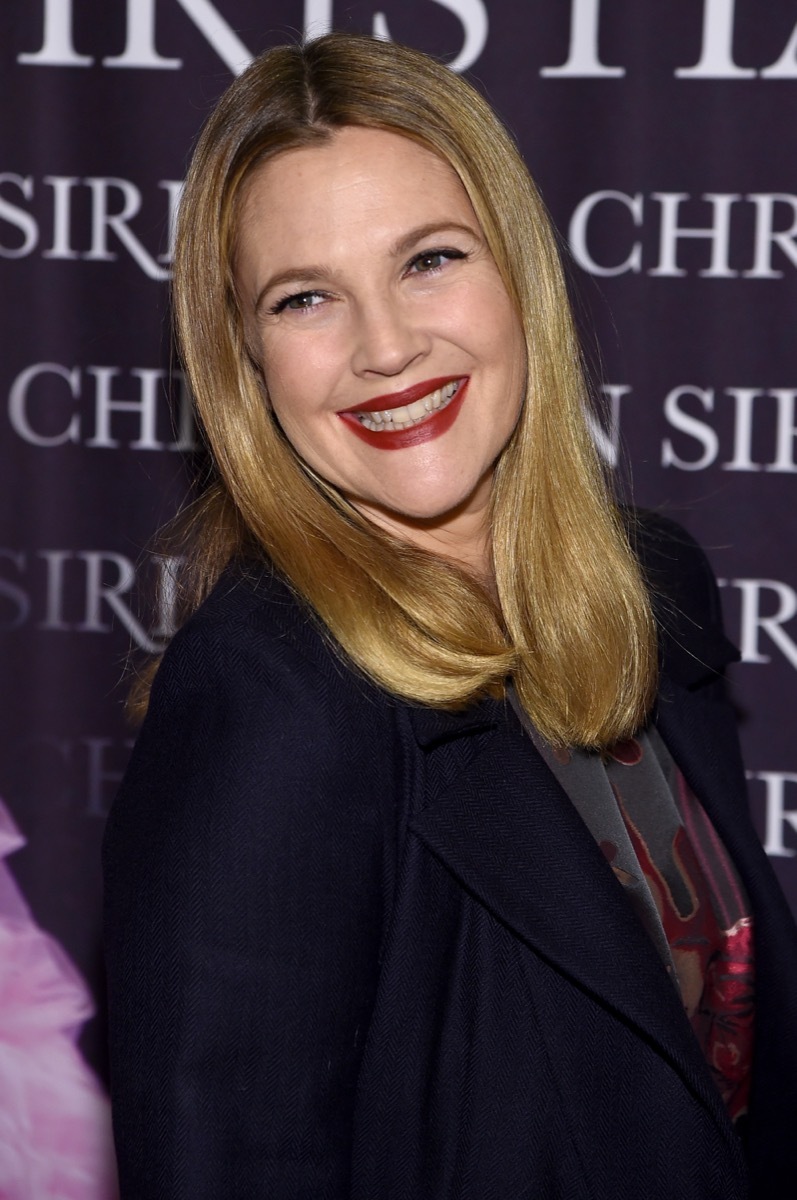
x: 505, y: 828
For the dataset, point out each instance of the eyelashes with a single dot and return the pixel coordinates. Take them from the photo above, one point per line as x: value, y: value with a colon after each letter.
x: 447, y: 254
x: 295, y: 301
x: 426, y: 262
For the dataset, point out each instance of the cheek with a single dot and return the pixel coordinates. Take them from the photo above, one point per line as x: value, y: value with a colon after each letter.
x: 283, y: 382
x: 282, y: 397
x: 294, y: 398
x: 289, y: 409
x: 490, y: 318
x: 300, y: 368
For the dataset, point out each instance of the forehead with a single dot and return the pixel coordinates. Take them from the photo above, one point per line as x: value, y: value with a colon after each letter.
x: 361, y: 183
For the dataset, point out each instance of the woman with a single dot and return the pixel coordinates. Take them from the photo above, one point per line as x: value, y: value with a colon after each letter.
x: 406, y: 894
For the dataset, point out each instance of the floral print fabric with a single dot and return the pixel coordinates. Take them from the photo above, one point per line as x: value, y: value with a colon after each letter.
x: 680, y: 880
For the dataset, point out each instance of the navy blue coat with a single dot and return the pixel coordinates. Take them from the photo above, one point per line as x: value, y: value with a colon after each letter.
x: 360, y: 948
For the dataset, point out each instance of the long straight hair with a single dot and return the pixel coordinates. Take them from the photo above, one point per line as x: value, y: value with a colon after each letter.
x: 572, y: 627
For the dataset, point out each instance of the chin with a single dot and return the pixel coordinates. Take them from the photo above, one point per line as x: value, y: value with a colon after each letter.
x: 423, y: 516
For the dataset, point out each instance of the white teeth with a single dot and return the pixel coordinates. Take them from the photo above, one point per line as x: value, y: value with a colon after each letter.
x: 410, y: 414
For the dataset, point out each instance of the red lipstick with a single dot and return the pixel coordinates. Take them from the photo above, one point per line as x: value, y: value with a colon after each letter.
x: 430, y: 427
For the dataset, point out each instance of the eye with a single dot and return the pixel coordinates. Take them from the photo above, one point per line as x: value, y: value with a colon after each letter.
x: 430, y: 261
x: 299, y: 302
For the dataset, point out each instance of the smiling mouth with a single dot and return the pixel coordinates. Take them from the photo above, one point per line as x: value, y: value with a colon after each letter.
x: 393, y: 420
x: 429, y: 409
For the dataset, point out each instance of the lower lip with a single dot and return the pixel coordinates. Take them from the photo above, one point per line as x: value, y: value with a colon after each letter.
x: 433, y: 426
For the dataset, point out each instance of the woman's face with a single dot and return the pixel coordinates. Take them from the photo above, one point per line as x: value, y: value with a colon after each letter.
x: 391, y: 352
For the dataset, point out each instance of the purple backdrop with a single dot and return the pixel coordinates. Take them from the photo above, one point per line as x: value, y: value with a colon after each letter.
x: 662, y: 138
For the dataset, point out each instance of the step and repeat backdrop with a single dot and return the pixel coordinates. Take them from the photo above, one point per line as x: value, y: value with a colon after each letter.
x: 662, y: 137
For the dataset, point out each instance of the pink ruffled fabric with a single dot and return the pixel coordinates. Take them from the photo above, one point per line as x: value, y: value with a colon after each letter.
x: 55, y: 1128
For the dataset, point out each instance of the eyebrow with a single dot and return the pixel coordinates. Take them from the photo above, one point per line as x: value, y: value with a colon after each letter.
x: 312, y: 273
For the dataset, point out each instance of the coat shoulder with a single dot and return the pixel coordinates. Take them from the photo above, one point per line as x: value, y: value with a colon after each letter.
x: 252, y: 609
x: 251, y: 698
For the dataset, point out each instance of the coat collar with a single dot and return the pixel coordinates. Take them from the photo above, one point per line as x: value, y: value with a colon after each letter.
x: 506, y: 829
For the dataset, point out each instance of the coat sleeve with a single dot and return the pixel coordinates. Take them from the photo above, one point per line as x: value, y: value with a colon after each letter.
x: 245, y: 867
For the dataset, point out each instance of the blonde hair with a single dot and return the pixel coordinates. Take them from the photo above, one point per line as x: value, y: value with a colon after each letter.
x: 573, y: 628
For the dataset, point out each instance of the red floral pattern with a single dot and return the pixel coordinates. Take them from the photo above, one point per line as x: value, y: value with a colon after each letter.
x: 706, y: 921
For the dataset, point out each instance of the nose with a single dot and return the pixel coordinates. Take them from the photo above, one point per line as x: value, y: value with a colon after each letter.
x: 388, y: 338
